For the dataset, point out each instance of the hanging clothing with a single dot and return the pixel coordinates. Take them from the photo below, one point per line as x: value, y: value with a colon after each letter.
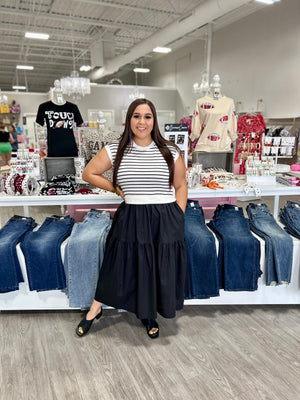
x: 214, y: 123
x: 60, y: 121
x: 249, y: 123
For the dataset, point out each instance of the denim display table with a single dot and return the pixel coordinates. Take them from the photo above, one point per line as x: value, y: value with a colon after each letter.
x: 23, y: 299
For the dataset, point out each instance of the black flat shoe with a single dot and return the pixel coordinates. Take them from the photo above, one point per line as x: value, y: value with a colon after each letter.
x: 84, y: 325
x: 150, y: 324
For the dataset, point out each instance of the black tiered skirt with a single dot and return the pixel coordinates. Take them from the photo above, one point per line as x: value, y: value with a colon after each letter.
x: 144, y: 265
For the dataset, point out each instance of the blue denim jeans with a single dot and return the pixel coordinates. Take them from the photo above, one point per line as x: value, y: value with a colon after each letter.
x: 83, y: 257
x: 290, y: 217
x: 239, y: 250
x: 42, y: 252
x: 10, y: 235
x: 279, y: 245
x: 202, y: 273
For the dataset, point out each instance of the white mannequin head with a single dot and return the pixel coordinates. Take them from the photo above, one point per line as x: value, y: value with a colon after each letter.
x: 57, y: 93
x: 216, y: 87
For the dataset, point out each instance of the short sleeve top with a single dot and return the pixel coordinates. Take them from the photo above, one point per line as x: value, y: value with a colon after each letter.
x: 143, y: 174
x: 60, y: 120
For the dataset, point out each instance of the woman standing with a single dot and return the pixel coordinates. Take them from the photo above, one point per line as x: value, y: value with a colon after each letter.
x: 14, y: 142
x: 5, y: 146
x: 144, y: 266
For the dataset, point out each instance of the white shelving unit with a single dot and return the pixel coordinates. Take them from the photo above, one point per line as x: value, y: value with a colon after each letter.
x: 24, y: 299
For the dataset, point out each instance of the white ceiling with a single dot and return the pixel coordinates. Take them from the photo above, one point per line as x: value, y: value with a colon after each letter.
x: 75, y: 25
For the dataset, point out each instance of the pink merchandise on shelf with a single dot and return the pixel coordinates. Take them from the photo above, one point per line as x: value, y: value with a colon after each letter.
x: 209, y: 205
x: 295, y: 167
x: 77, y: 212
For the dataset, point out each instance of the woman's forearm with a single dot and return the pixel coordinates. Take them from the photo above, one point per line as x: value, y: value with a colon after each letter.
x: 98, y: 181
x: 181, y: 196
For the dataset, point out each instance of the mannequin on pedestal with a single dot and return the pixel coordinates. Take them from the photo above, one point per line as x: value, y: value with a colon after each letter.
x: 214, y: 121
x: 215, y: 87
x: 60, y: 117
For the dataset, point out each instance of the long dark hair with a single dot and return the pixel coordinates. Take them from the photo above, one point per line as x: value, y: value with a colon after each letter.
x: 14, y: 128
x: 127, y: 138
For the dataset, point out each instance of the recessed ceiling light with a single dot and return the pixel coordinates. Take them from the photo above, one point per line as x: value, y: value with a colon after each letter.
x: 24, y: 67
x: 160, y: 49
x: 36, y: 35
x: 17, y: 87
x: 143, y: 70
x: 267, y: 1
x: 85, y: 68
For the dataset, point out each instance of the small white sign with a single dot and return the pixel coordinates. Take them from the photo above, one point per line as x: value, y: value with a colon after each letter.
x: 178, y: 134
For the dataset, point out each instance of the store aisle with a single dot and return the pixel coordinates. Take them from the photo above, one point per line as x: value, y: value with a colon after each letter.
x: 207, y: 352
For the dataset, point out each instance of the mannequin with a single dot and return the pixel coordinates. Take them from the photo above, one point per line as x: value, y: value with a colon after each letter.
x: 56, y: 95
x: 214, y: 121
x: 60, y: 116
x: 215, y: 87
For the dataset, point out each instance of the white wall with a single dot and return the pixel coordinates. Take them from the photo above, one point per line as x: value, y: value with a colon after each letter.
x: 29, y: 102
x: 116, y: 97
x: 256, y: 57
x: 108, y: 97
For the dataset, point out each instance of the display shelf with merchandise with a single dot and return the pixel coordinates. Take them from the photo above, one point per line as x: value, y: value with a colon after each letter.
x: 281, y: 138
x: 24, y: 299
x: 10, y: 118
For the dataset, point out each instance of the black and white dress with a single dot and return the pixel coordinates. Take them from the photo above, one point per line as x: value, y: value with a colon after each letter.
x: 144, y: 266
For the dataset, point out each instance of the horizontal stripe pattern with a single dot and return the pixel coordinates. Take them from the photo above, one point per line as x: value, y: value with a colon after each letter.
x: 143, y: 172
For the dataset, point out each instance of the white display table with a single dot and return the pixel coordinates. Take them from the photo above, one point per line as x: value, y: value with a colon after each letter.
x: 111, y: 198
x: 23, y: 299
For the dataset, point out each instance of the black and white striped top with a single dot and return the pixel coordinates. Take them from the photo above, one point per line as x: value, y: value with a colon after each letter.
x: 143, y: 174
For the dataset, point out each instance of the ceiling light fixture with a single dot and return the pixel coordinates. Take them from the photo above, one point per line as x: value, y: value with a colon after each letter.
x: 85, y: 68
x: 75, y: 86
x: 160, y: 49
x: 36, y: 35
x: 18, y: 87
x: 29, y: 67
x: 267, y: 1
x: 142, y: 70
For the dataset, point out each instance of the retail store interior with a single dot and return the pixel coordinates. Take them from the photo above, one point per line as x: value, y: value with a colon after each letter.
x: 223, y: 76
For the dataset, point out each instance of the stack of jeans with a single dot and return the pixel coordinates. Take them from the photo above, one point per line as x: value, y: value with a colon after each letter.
x: 202, y: 273
x: 10, y: 235
x: 239, y: 250
x: 279, y: 245
x: 290, y: 217
x: 83, y: 257
x: 42, y: 252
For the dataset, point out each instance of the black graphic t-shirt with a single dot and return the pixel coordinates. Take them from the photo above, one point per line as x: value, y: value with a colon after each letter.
x: 60, y: 122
